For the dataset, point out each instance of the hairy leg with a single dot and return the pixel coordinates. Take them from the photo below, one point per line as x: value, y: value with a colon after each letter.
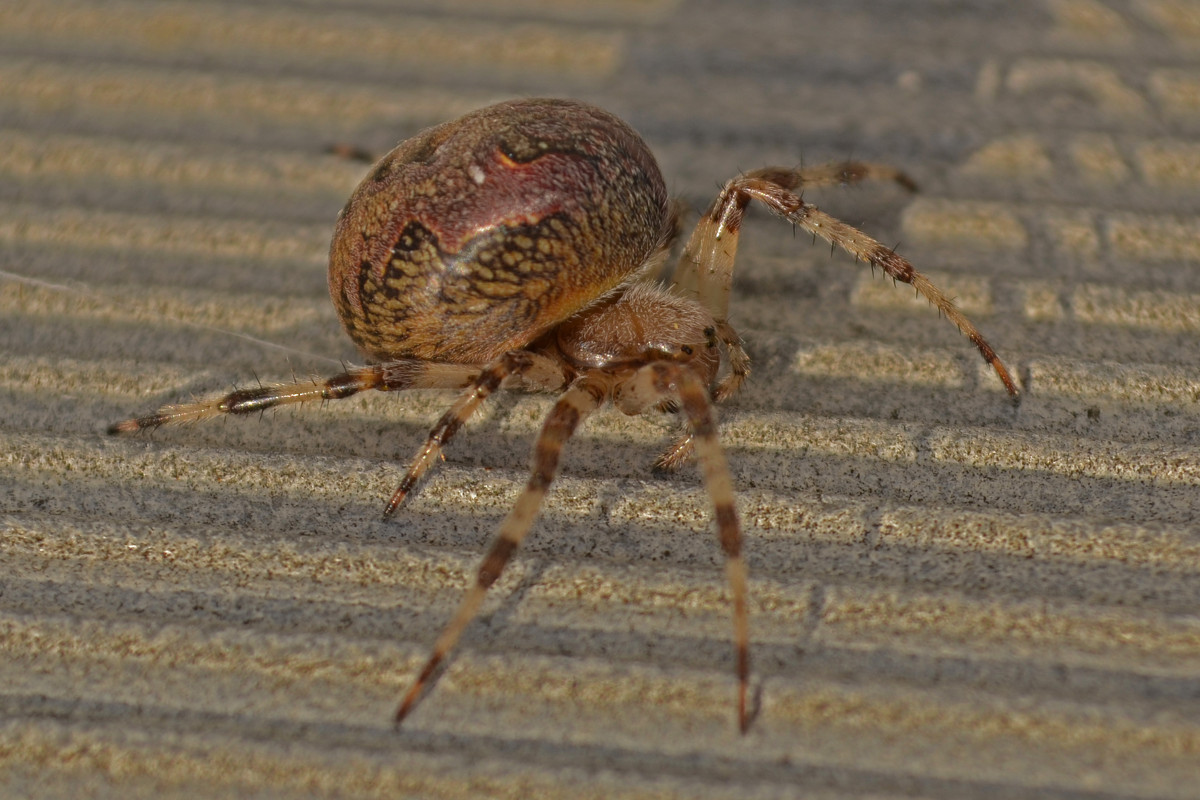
x: 705, y: 269
x: 710, y: 252
x: 583, y: 397
x: 393, y: 376
x: 668, y: 380
x: 513, y: 365
x: 682, y: 450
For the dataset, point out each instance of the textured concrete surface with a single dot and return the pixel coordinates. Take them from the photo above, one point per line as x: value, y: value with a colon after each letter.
x: 952, y: 598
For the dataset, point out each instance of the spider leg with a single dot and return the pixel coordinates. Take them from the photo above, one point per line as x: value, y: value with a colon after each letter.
x: 582, y: 398
x: 259, y: 398
x: 682, y: 450
x: 515, y: 365
x: 700, y: 265
x: 707, y: 261
x: 739, y: 362
x: 788, y: 205
x: 675, y: 380
x: 392, y: 376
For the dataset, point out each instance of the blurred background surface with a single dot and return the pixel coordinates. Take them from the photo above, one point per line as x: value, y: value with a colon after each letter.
x: 952, y: 598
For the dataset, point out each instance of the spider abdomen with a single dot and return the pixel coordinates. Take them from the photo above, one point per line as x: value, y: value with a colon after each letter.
x: 476, y: 236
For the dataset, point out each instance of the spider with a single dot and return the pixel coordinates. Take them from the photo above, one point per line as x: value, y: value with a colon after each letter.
x: 516, y: 248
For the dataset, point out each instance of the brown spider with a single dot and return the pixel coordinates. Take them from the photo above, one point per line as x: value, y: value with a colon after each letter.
x: 516, y: 247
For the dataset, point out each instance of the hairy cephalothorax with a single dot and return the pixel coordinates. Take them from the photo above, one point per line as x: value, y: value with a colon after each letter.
x: 514, y: 247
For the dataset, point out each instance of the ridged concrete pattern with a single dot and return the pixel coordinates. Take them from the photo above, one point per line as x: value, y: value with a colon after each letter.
x: 951, y: 598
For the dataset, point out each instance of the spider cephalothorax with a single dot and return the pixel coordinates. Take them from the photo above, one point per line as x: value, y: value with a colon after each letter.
x: 516, y: 246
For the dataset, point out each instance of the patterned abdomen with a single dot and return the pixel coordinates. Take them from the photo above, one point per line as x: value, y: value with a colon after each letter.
x: 476, y: 236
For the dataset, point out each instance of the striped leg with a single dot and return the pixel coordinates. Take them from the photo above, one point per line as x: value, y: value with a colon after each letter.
x: 673, y: 380
x: 393, y: 376
x: 739, y: 362
x: 583, y: 397
x: 863, y: 247
x: 705, y: 269
x: 711, y: 250
x: 682, y: 450
x: 513, y: 363
x: 248, y: 401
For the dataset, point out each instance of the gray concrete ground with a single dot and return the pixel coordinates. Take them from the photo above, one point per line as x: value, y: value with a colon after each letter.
x: 952, y: 598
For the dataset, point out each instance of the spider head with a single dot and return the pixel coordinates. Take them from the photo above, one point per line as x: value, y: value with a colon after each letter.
x: 637, y: 326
